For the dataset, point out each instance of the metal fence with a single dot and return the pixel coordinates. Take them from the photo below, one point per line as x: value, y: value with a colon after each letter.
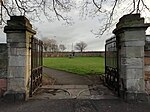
x: 36, y: 64
x: 111, y: 64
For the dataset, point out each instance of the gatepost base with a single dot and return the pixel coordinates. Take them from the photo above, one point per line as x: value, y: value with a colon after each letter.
x: 135, y: 97
x: 12, y: 96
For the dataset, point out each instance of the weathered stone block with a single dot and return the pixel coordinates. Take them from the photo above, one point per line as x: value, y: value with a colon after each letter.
x: 135, y: 85
x: 3, y: 47
x: 17, y: 61
x: 3, y: 51
x: 3, y: 73
x: 134, y: 73
x: 134, y: 35
x: 16, y: 45
x: 16, y: 37
x: 3, y: 63
x: 131, y: 73
x: 136, y: 97
x: 3, y: 56
x: 21, y: 51
x: 13, y: 96
x: 132, y: 52
x: 137, y: 43
x: 132, y: 61
x: 147, y: 68
x: 12, y: 51
x: 16, y: 72
x: 17, y: 51
x: 16, y: 84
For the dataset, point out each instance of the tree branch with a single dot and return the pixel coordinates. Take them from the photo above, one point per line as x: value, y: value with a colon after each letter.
x: 98, y: 7
x: 145, y: 5
x: 138, y: 5
x: 57, y: 14
x: 133, y: 7
x: 5, y: 8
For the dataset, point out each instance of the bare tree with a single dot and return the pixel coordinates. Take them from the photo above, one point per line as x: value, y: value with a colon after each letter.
x: 108, y: 10
x: 50, y: 44
x: 45, y: 44
x: 62, y: 47
x: 80, y: 46
x: 54, y: 48
x: 105, y: 9
x: 35, y: 8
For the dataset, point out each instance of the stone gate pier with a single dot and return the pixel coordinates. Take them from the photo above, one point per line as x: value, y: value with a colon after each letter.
x: 130, y: 37
x: 19, y: 33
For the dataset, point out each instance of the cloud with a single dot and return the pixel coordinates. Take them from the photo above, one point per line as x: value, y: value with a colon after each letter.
x: 68, y: 35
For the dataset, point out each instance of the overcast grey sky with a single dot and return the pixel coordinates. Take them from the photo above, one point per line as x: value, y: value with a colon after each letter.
x: 70, y: 34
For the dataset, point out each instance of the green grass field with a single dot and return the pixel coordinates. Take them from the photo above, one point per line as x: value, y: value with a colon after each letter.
x: 78, y: 65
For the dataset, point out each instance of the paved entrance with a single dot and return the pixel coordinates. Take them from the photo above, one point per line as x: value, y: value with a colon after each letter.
x: 74, y: 105
x: 62, y: 98
x: 72, y: 86
x: 66, y: 78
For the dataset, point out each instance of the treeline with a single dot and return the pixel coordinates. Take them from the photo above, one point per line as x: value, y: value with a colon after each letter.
x: 51, y: 45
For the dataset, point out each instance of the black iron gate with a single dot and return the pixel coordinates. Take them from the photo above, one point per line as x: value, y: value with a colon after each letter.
x: 111, y: 64
x: 36, y: 64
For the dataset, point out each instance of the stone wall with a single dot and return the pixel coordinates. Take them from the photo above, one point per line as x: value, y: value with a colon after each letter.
x: 66, y: 54
x: 3, y: 67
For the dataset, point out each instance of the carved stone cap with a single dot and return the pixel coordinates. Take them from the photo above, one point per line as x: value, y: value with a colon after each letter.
x: 18, y: 23
x: 130, y: 21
